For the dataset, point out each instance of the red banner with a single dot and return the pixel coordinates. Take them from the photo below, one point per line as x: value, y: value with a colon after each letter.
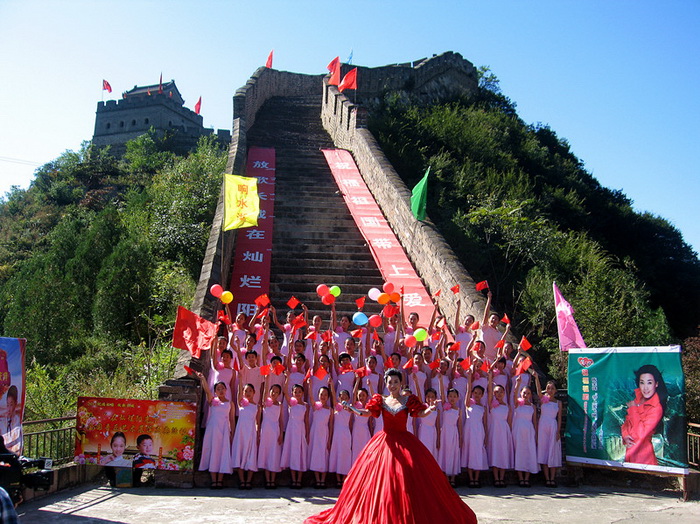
x: 148, y: 434
x: 385, y: 247
x: 250, y: 276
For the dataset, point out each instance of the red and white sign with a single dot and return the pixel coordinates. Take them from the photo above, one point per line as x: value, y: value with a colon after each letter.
x: 250, y: 277
x: 385, y: 247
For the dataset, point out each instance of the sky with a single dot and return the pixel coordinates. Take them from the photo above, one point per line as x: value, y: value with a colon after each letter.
x: 618, y: 80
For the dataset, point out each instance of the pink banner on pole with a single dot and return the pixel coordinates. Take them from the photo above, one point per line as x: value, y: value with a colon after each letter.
x: 385, y: 247
x: 569, y: 335
x: 250, y: 277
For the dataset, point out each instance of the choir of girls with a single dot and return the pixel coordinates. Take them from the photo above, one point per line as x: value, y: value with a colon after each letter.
x: 275, y: 404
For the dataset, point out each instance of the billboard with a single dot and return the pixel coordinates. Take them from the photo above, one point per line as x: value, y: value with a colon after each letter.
x: 12, y: 391
x: 627, y: 408
x: 148, y: 434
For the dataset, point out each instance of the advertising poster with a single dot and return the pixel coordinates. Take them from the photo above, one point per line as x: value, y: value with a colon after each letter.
x: 12, y: 391
x: 627, y: 408
x: 149, y: 434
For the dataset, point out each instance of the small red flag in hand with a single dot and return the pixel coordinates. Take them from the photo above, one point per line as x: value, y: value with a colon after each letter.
x: 262, y: 301
x: 279, y: 369
x: 408, y: 364
x: 500, y: 343
x: 360, y: 302
x: 188, y: 370
x: 223, y: 317
x: 299, y: 321
x: 357, y: 333
x: 455, y: 289
x: 436, y: 335
x: 198, y: 106
x: 455, y: 347
x: 437, y: 293
x: 480, y: 286
x: 106, y: 86
x: 349, y: 81
x: 388, y: 363
x: 523, y: 366
x: 268, y: 63
x: 327, y: 336
x: 375, y: 335
x: 311, y: 336
x: 505, y: 319
x: 321, y: 373
x: 362, y: 372
x: 293, y: 302
x: 308, y: 374
x: 265, y: 370
x: 525, y: 344
x: 465, y: 364
x: 262, y: 313
x: 434, y: 364
x: 475, y: 326
x: 485, y: 366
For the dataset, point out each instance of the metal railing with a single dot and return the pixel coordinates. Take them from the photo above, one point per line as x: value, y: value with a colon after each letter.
x: 694, y: 445
x: 52, y: 437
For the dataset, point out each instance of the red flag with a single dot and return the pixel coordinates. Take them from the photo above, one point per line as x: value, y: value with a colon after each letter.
x: 362, y: 372
x: 455, y: 347
x: 293, y: 302
x: 360, y: 302
x: 299, y: 321
x: 349, y: 81
x: 357, y: 333
x: 523, y: 366
x: 475, y: 326
x: 262, y: 301
x: 327, y: 336
x: 455, y: 289
x: 160, y: 85
x: 375, y: 335
x: 388, y: 363
x: 279, y: 369
x: 485, y: 366
x: 265, y: 370
x: 437, y: 293
x: 525, y: 344
x: 436, y: 335
x: 321, y: 373
x: 268, y: 64
x: 500, y: 343
x: 311, y: 336
x: 334, y: 68
x: 223, y: 317
x: 434, y: 364
x: 106, y: 86
x: 198, y: 106
x: 262, y: 313
x: 188, y: 370
x: 408, y: 364
x: 465, y: 364
x: 236, y: 365
x: 192, y: 333
x: 480, y: 286
x: 505, y: 319
x: 308, y: 374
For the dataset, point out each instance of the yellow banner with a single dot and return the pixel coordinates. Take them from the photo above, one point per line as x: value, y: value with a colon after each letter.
x: 241, y: 202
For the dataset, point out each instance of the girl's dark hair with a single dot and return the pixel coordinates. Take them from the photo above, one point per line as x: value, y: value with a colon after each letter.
x: 327, y: 390
x: 251, y: 386
x: 117, y: 434
x: 502, y: 360
x: 661, y: 390
x: 297, y: 386
x: 227, y: 352
x: 392, y: 372
x: 478, y: 387
x: 427, y: 348
x: 363, y: 389
x: 277, y: 358
x: 300, y: 343
x: 343, y: 356
x: 344, y: 391
x: 255, y: 339
x: 397, y: 354
x: 431, y: 390
x: 453, y: 390
x: 276, y: 386
x: 220, y: 382
x: 251, y: 352
x: 301, y: 356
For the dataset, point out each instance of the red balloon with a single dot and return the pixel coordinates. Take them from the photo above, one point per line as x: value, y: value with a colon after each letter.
x: 388, y: 287
x: 216, y: 290
x: 322, y: 290
x: 375, y: 321
x: 390, y: 311
x: 410, y: 341
x: 328, y: 299
x: 383, y: 298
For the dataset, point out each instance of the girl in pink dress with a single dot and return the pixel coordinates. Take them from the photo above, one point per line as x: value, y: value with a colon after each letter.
x: 320, y: 437
x: 295, y: 447
x: 340, y: 458
x: 524, y: 436
x: 360, y: 425
x: 429, y: 429
x: 216, y: 447
x: 548, y: 433
x: 244, y: 450
x: 500, y: 440
x: 474, y: 456
x: 450, y: 437
x: 270, y: 447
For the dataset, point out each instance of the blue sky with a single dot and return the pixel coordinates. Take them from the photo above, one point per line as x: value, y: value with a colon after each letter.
x: 618, y: 80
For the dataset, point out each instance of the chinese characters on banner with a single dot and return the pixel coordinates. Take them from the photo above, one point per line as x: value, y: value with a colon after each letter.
x: 627, y: 408
x: 385, y: 247
x: 12, y: 390
x: 148, y: 434
x: 250, y: 276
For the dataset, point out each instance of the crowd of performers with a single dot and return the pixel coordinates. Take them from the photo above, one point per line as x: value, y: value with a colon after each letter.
x: 277, y: 403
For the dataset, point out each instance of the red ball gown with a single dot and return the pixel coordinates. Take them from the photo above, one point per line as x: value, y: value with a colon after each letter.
x: 395, y: 479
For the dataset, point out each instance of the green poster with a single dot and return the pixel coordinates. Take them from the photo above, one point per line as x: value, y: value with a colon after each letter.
x: 627, y: 408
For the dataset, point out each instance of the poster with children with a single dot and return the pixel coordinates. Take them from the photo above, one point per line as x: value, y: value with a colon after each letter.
x: 12, y: 380
x: 148, y: 434
x: 627, y: 408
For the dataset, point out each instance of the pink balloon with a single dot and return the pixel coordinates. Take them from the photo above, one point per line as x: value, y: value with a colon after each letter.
x: 375, y: 321
x: 216, y: 290
x: 374, y: 293
x: 388, y: 287
x: 322, y: 290
x: 410, y: 341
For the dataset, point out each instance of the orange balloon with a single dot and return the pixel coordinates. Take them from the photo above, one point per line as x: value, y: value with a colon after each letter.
x: 395, y: 297
x: 384, y: 298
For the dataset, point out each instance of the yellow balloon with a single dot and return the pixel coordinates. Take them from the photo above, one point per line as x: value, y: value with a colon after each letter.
x: 226, y: 297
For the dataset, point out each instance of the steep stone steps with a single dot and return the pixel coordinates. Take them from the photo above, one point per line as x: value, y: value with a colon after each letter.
x: 315, y: 237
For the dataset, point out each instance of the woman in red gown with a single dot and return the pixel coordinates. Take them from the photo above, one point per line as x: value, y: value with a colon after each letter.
x: 395, y: 479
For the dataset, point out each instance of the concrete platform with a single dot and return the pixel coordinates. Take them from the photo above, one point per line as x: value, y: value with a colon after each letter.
x: 100, y: 504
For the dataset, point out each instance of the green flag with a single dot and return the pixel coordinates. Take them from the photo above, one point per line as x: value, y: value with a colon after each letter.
x: 419, y: 197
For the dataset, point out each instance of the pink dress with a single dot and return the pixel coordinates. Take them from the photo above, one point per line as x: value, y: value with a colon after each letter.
x: 295, y: 447
x: 244, y: 451
x: 340, y: 458
x: 318, y: 440
x: 269, y: 450
x: 216, y: 446
x: 427, y: 432
x: 448, y: 454
x: 473, y: 440
x: 360, y: 434
x: 525, y: 450
x: 548, y: 445
x: 500, y: 448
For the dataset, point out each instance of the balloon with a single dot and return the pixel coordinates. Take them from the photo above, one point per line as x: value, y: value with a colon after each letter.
x: 383, y: 298
x: 390, y: 311
x: 395, y: 297
x: 375, y: 321
x: 322, y: 290
x: 420, y: 334
x: 410, y: 341
x: 226, y: 297
x: 388, y: 287
x: 374, y: 293
x: 359, y: 318
x: 335, y: 291
x: 216, y: 290
x: 328, y: 299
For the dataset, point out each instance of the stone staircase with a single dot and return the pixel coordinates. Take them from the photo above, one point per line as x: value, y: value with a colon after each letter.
x: 315, y: 237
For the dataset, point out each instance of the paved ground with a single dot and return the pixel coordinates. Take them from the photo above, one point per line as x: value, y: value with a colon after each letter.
x: 586, y: 504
